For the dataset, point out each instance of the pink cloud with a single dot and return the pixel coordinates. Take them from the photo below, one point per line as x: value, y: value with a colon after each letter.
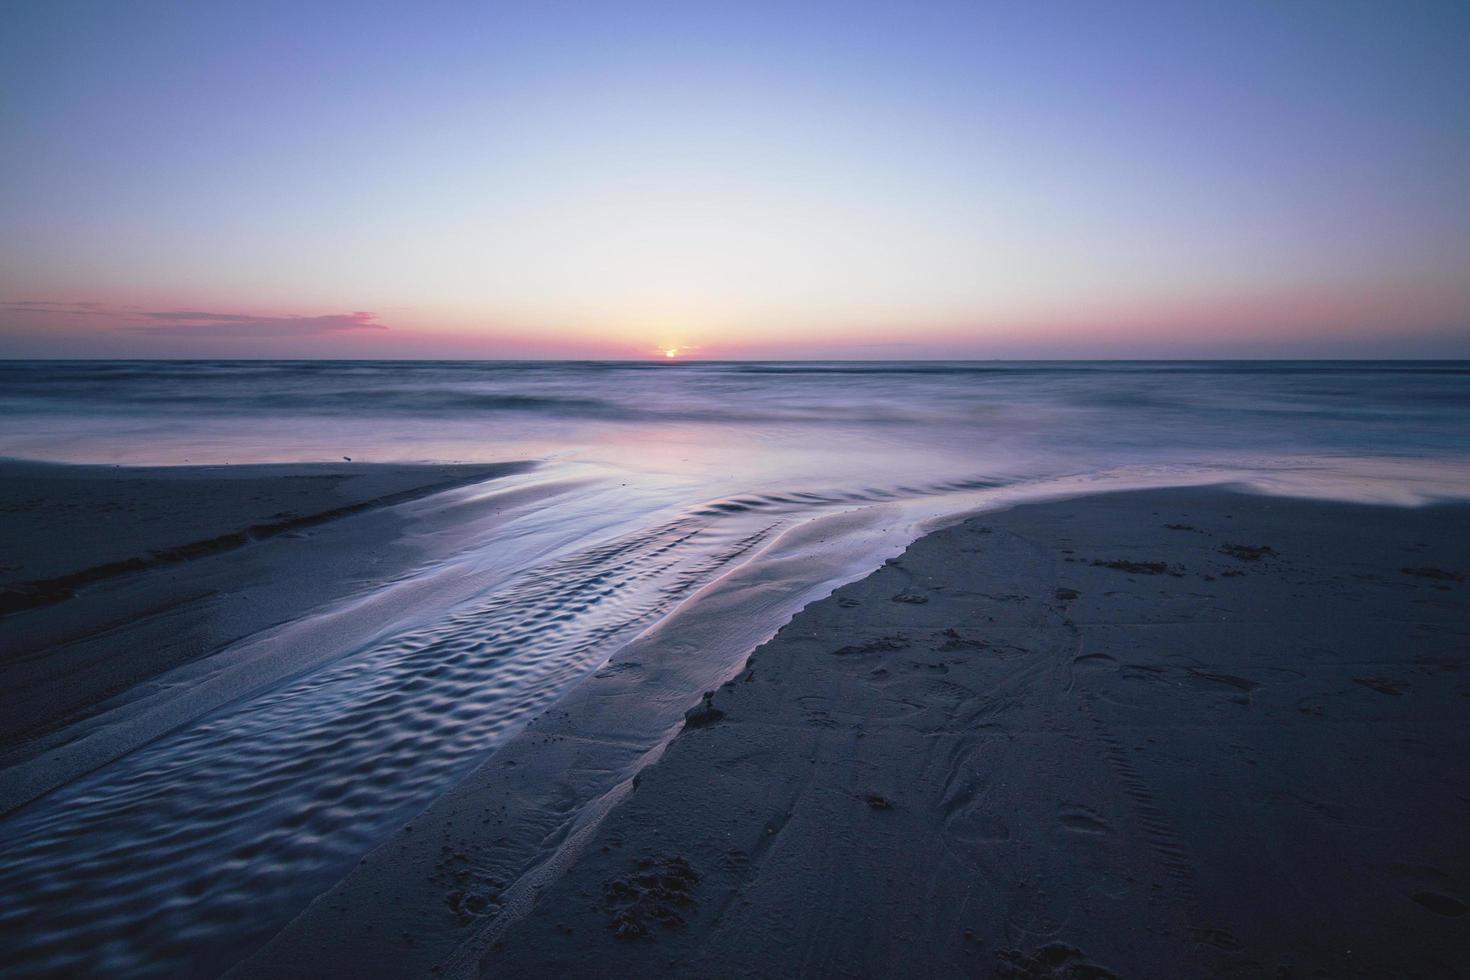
x: 197, y: 323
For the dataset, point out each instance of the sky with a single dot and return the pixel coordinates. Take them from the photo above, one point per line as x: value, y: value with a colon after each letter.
x: 741, y: 179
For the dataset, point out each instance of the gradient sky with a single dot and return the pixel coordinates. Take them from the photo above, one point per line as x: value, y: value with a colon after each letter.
x: 742, y: 179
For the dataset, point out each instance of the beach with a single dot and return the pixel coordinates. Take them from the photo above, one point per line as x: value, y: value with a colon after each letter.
x: 1010, y: 669
x: 154, y: 561
x: 735, y: 490
x: 1171, y: 733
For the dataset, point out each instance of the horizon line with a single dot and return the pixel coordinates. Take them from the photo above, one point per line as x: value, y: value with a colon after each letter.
x: 674, y: 362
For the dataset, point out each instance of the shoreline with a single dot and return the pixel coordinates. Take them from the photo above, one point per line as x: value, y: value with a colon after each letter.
x: 332, y: 491
x: 174, y: 564
x: 514, y: 868
x: 1188, y: 732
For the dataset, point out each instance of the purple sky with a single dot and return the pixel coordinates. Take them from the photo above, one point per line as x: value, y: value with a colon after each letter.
x: 743, y: 179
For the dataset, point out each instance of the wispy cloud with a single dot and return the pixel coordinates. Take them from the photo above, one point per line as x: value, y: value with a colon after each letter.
x: 66, y: 308
x: 199, y: 323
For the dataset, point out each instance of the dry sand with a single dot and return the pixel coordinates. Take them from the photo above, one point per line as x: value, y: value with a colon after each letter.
x: 1155, y: 734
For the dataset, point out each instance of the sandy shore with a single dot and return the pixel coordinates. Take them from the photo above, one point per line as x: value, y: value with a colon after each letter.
x: 1155, y: 733
x: 1182, y: 733
x: 113, y: 575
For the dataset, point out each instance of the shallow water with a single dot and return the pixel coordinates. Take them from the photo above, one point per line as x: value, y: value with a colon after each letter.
x: 737, y: 427
x: 187, y: 852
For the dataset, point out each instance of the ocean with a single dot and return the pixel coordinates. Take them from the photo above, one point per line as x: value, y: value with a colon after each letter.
x: 724, y: 429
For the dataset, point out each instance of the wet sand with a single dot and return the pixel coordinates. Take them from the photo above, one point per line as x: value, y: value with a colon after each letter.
x: 1162, y: 733
x: 1190, y: 732
x: 110, y: 576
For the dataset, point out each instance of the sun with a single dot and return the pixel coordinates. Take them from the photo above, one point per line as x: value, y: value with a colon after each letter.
x: 671, y: 352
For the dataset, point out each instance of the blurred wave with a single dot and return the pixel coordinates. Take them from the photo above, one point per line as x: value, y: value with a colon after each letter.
x: 460, y: 409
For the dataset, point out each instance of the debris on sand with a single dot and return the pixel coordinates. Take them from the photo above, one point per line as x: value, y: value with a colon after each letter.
x: 1440, y: 904
x: 1137, y: 567
x: 1378, y: 684
x: 1438, y: 574
x: 1054, y: 961
x: 883, y: 644
x: 955, y: 640
x: 1248, y: 552
x: 703, y: 713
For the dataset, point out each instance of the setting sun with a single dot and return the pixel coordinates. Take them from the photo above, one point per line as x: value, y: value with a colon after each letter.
x: 671, y: 352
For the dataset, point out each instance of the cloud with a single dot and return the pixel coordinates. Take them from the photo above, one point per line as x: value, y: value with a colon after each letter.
x: 68, y: 308
x: 198, y: 323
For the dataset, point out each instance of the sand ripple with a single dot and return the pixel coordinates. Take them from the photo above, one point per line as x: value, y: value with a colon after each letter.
x: 189, y: 852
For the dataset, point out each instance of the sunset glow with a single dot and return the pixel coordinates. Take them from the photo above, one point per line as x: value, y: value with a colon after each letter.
x: 660, y: 488
x: 882, y: 180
